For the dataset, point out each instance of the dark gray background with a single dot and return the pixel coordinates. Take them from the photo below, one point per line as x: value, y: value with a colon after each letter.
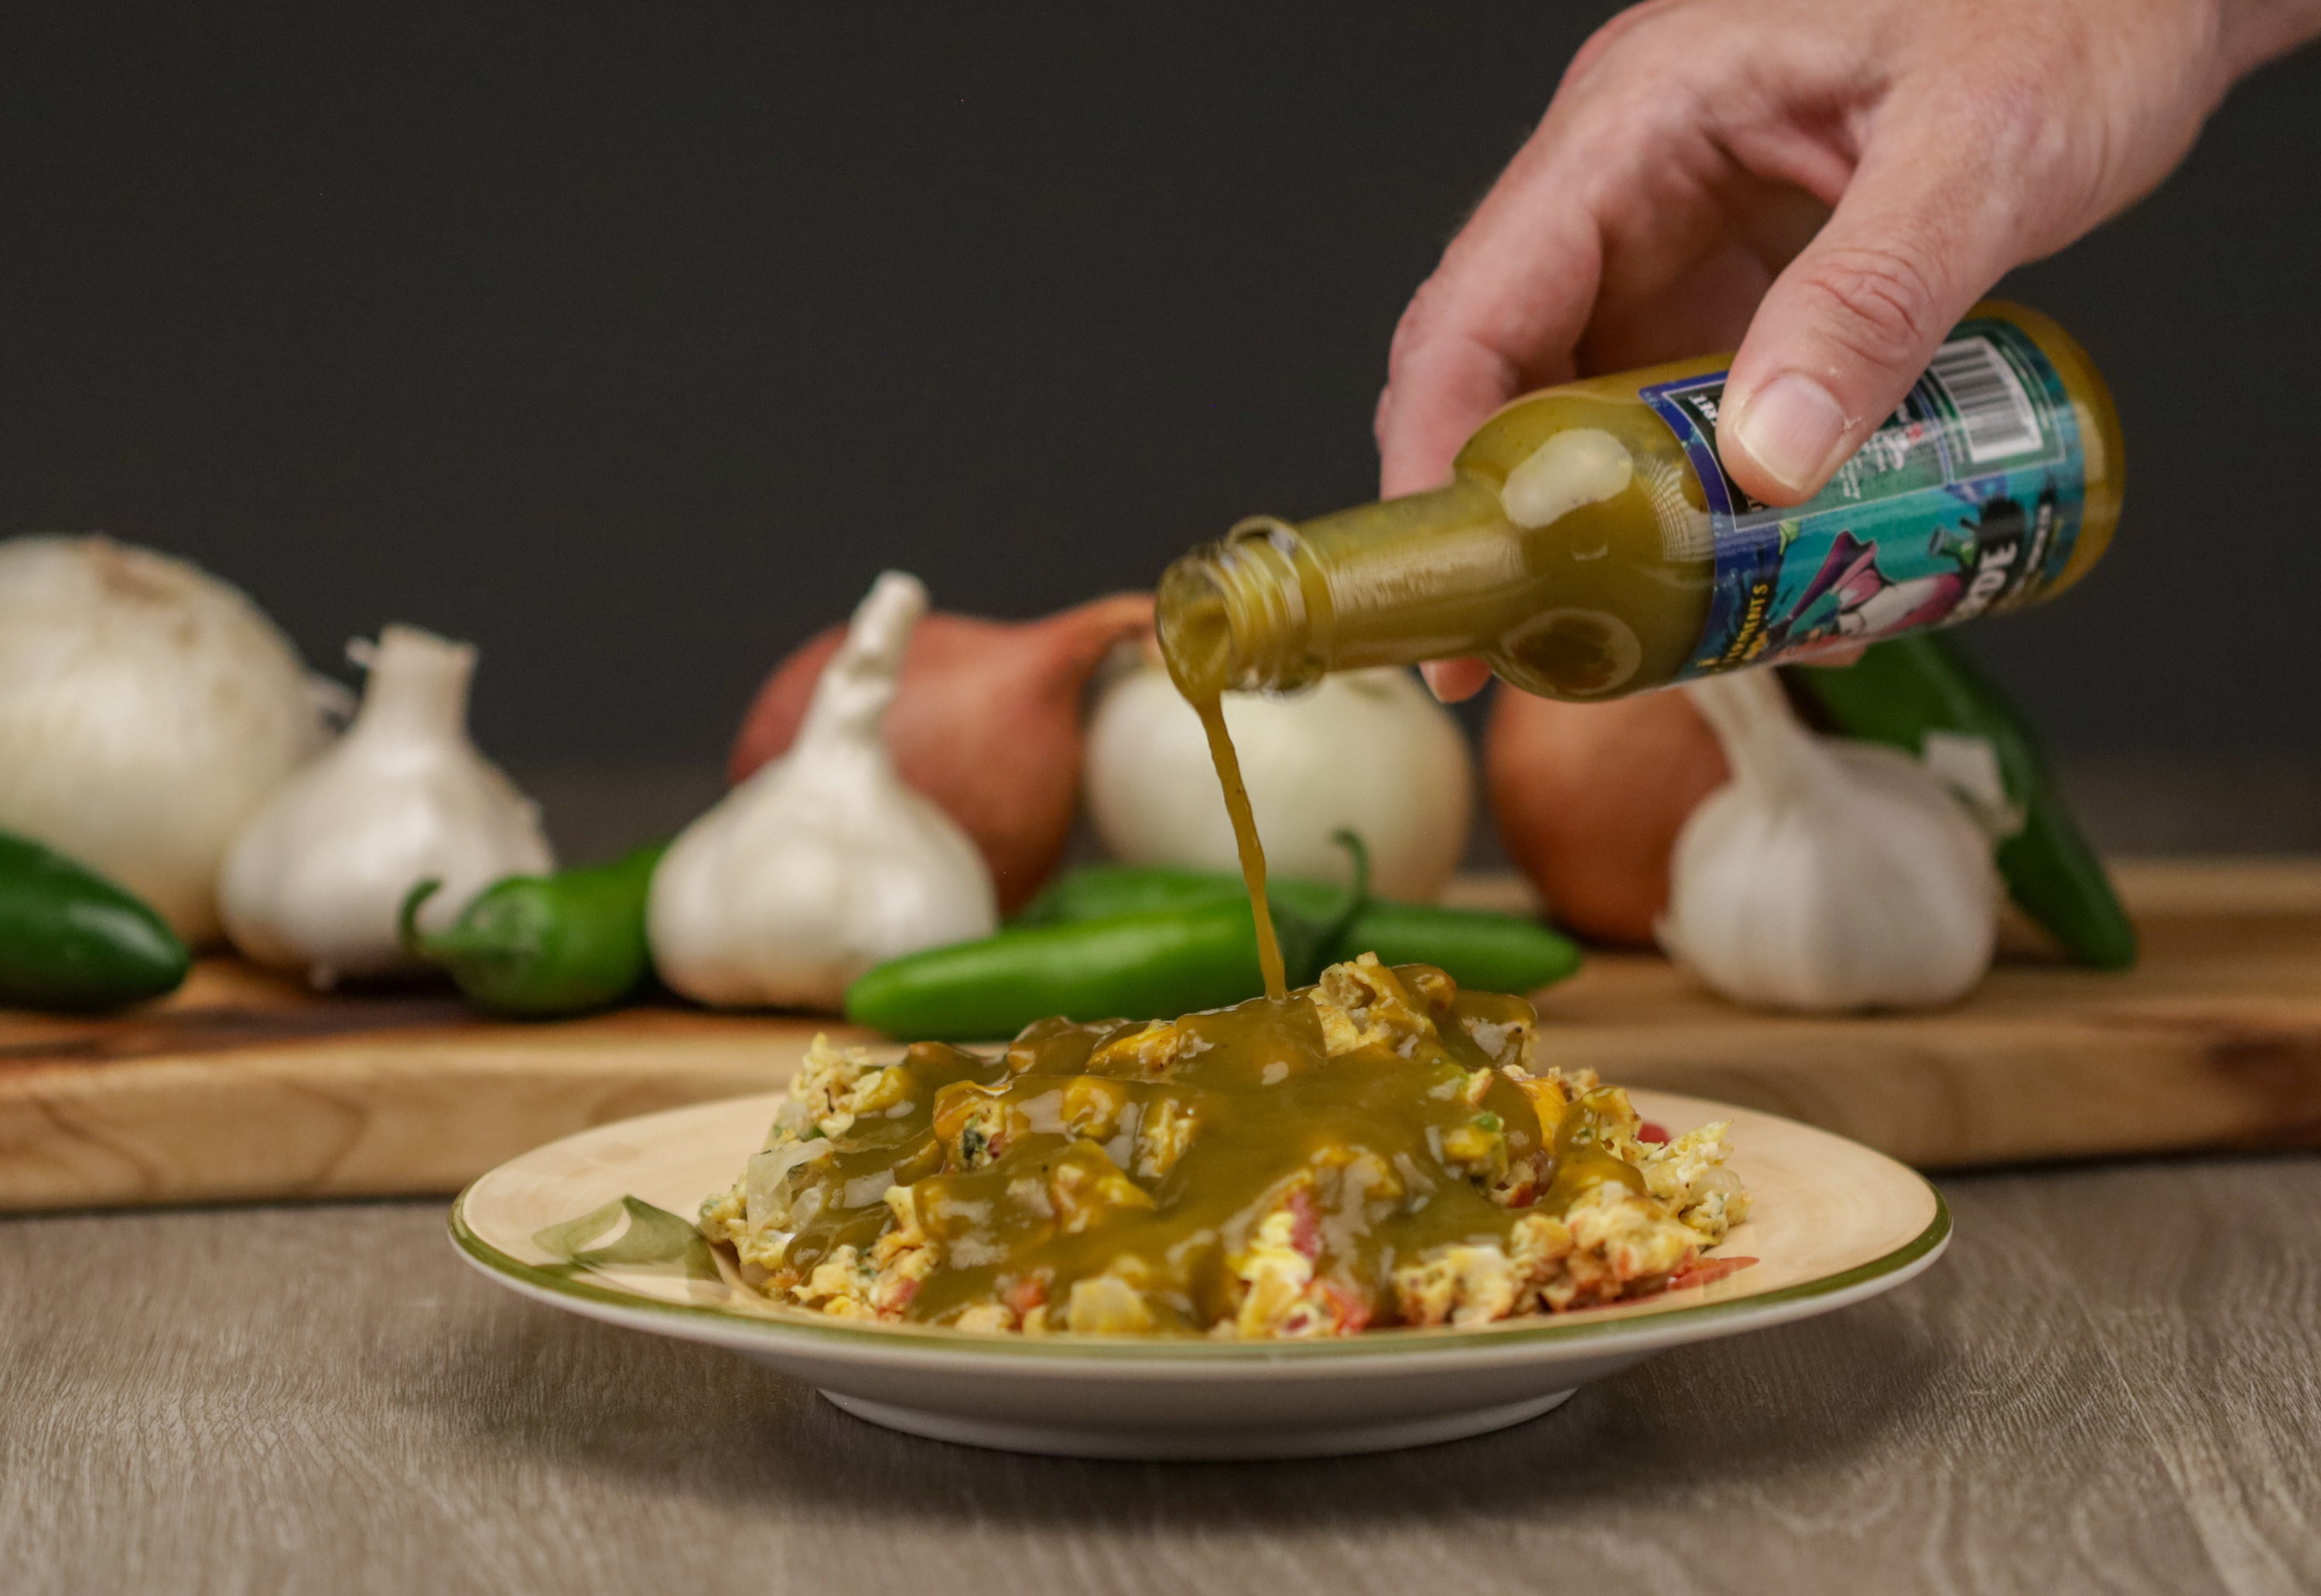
x: 630, y: 342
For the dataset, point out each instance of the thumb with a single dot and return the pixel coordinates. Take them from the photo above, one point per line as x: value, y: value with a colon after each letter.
x: 1851, y: 323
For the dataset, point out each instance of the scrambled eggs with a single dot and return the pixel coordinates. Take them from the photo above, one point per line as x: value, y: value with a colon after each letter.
x: 1377, y: 1149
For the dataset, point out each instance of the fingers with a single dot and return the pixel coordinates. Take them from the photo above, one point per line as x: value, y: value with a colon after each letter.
x: 1501, y: 314
x: 1454, y: 679
x: 1924, y: 230
x: 1434, y: 398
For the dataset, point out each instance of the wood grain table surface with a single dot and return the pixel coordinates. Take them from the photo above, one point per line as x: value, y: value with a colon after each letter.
x: 2112, y: 1382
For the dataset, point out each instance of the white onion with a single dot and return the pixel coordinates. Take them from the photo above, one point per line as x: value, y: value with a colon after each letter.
x: 765, y: 1179
x: 1366, y: 751
x: 146, y: 709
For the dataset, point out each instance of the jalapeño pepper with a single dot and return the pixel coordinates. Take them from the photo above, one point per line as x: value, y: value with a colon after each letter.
x: 70, y: 939
x: 534, y: 946
x: 1908, y: 690
x: 1482, y: 951
x: 1155, y: 963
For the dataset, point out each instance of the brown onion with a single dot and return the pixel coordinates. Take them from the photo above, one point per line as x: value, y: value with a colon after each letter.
x: 1588, y: 799
x: 987, y: 723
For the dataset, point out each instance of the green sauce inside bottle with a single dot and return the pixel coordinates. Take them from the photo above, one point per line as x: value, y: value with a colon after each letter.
x: 1588, y: 545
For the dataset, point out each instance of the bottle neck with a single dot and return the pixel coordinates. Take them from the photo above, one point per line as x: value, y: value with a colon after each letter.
x: 1232, y: 617
x: 1274, y: 606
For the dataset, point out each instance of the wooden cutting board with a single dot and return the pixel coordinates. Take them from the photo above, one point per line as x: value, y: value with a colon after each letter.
x: 243, y: 1086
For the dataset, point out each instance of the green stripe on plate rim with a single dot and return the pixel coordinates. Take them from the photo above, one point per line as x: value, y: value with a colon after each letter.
x: 797, y: 1323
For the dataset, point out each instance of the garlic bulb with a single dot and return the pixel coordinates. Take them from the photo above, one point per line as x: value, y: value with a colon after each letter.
x: 1368, y: 751
x: 314, y: 882
x: 823, y: 863
x: 987, y: 721
x: 1825, y: 875
x: 146, y: 709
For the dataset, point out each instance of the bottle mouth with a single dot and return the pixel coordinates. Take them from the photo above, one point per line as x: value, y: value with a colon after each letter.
x: 1231, y: 614
x: 1196, y: 634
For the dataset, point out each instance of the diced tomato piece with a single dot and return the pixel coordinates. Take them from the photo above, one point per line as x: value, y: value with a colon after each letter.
x: 1650, y: 1132
x: 1326, y: 1309
x: 1024, y: 1293
x: 1353, y: 1311
x: 1701, y: 1271
x: 1305, y: 1234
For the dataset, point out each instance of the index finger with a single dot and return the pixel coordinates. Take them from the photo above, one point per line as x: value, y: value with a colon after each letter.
x: 1503, y: 312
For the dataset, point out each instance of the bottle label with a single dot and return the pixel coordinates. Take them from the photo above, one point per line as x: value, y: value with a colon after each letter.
x: 1967, y: 500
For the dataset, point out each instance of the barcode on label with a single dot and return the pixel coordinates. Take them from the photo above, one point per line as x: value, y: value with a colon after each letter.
x: 1993, y: 410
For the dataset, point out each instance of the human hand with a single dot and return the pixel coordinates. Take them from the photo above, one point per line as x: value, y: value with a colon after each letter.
x: 1837, y: 179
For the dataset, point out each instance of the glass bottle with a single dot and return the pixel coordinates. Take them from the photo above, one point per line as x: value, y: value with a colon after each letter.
x: 1589, y: 544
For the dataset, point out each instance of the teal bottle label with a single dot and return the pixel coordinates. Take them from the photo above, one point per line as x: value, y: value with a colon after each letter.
x: 1968, y: 500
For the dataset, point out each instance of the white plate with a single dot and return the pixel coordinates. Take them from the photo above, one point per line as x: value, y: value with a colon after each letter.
x: 1831, y: 1222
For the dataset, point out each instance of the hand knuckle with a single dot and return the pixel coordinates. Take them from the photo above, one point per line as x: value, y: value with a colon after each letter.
x: 1881, y: 302
x: 1617, y: 37
x: 2002, y: 119
x: 1590, y: 56
x: 1415, y: 330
